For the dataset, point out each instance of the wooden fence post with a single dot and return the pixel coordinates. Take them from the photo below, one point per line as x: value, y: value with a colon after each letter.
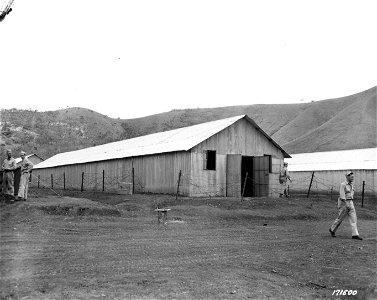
x: 311, y: 181
x: 362, y: 195
x: 103, y: 180
x: 64, y: 181
x: 82, y: 181
x: 179, y: 181
x: 133, y: 180
x: 39, y: 178
x: 52, y: 181
x: 244, y: 185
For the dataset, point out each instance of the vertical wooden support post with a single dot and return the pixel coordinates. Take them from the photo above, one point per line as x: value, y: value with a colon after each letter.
x: 52, y: 181
x: 103, y: 180
x: 179, y: 181
x: 244, y: 186
x: 159, y: 217
x: 362, y: 194
x: 311, y: 181
x: 133, y: 180
x: 39, y: 178
x: 82, y: 181
x: 64, y: 181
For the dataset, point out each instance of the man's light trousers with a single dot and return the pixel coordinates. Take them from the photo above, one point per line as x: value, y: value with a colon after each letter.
x: 24, y: 186
x: 8, y: 183
x: 346, y: 208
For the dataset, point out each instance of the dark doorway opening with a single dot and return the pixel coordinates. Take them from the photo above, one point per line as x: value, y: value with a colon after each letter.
x: 247, y: 166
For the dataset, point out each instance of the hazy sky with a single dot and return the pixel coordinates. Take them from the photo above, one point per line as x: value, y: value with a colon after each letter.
x: 134, y: 58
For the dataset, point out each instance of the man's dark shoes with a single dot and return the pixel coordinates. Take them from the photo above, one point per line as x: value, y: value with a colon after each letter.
x: 356, y: 237
x: 332, y: 233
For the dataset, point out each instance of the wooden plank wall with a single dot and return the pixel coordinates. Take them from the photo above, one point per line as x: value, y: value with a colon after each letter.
x: 159, y: 173
x: 208, y: 182
x: 239, y: 138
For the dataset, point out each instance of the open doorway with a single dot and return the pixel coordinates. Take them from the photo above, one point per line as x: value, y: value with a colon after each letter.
x: 254, y: 168
x: 247, y: 167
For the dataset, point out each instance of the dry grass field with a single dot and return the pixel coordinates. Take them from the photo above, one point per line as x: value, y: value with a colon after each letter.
x: 111, y: 247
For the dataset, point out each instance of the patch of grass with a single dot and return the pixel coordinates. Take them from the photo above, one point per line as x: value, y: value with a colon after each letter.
x: 79, y: 211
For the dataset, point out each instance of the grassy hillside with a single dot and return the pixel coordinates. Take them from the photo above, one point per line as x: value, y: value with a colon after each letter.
x: 269, y: 117
x: 335, y: 124
x: 338, y: 124
x: 48, y: 133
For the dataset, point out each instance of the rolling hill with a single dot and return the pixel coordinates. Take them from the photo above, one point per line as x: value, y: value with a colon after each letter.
x: 334, y: 124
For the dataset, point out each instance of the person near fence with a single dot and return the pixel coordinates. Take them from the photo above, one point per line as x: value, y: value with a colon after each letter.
x: 8, y: 166
x: 26, y: 167
x: 283, y: 180
x: 346, y: 207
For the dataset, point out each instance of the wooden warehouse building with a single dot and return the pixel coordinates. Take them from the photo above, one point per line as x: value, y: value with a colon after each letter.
x: 211, y: 158
x: 329, y: 170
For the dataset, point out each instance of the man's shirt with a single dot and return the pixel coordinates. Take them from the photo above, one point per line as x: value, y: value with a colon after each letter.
x: 9, y: 164
x: 346, y: 191
x: 26, y: 165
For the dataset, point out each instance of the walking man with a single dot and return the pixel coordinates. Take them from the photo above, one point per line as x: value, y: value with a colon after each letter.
x: 346, y: 207
x: 9, y: 165
x: 26, y: 167
x: 283, y: 178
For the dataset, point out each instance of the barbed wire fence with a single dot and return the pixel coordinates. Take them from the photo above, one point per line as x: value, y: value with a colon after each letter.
x: 313, y: 186
x: 321, y: 186
x: 94, y: 182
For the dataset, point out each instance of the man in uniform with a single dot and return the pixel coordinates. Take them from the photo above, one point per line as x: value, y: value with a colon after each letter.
x: 8, y: 166
x: 283, y: 178
x: 26, y: 167
x: 346, y: 207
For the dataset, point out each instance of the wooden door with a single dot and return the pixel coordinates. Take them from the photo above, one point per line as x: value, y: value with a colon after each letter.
x: 233, y: 175
x: 261, y: 175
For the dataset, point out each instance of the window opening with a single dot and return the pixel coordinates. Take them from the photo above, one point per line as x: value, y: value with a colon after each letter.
x: 210, y: 160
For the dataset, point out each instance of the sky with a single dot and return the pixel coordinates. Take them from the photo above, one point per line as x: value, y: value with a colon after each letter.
x: 128, y: 59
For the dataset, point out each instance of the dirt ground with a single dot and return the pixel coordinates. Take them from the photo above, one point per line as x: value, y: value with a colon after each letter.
x: 107, y: 246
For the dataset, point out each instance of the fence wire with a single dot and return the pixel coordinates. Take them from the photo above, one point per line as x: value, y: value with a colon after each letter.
x: 201, y: 185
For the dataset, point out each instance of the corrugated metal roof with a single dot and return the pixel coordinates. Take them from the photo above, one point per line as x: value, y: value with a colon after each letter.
x: 181, y: 139
x: 358, y: 159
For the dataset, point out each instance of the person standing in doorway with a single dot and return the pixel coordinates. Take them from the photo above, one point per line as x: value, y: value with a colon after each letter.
x: 8, y: 166
x: 346, y: 207
x: 283, y: 178
x: 26, y: 167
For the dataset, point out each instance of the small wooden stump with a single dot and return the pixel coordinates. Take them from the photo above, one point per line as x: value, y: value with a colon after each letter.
x: 162, y: 215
